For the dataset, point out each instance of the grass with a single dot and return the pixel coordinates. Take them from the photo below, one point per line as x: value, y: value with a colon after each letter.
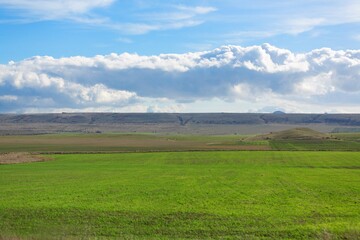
x: 315, y: 145
x: 295, y: 134
x: 221, y: 195
x: 348, y: 136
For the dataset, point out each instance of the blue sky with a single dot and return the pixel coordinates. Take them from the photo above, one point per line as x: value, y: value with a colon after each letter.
x: 30, y: 28
x: 94, y: 29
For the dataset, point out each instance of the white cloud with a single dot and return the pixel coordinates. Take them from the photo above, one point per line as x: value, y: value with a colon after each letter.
x: 171, y: 108
x: 175, y: 17
x: 82, y: 11
x: 197, y: 9
x: 125, y: 40
x: 316, y: 85
x: 324, y: 13
x: 55, y: 9
x: 300, y: 25
x: 8, y: 98
x: 143, y: 28
x: 102, y: 95
x: 257, y: 76
x: 50, y: 91
x: 272, y: 18
x: 357, y: 37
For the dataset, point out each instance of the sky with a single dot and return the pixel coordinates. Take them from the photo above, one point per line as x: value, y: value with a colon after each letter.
x: 179, y: 56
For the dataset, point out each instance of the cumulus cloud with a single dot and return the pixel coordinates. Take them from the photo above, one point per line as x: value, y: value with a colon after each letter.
x: 262, y: 75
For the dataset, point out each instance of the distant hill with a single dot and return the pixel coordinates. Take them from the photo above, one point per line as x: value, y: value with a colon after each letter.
x: 279, y: 112
x: 184, y: 118
x: 182, y: 123
x: 293, y: 134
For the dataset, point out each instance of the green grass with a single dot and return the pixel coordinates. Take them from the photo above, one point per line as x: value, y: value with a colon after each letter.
x: 315, y: 145
x: 221, y: 195
x: 348, y: 136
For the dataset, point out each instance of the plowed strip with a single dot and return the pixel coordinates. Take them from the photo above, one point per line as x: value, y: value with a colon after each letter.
x: 13, y: 158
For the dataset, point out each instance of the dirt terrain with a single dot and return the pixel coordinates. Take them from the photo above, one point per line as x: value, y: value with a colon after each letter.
x: 21, y: 157
x: 122, y: 143
x: 198, y: 129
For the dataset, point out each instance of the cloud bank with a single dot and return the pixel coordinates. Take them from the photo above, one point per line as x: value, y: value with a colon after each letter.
x: 247, y: 78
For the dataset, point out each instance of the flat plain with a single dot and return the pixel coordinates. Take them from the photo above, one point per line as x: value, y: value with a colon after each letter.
x: 126, y: 142
x: 293, y: 184
x: 183, y: 195
x: 291, y: 140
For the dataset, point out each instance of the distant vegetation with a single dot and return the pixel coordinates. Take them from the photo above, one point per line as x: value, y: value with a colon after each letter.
x: 294, y: 134
x: 302, y: 139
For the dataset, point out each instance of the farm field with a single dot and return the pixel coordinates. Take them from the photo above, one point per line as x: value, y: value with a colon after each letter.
x: 148, y: 142
x: 314, y: 145
x: 179, y: 195
x: 126, y: 143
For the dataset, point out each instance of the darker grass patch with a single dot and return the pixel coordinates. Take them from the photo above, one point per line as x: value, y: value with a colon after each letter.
x: 314, y: 145
x: 75, y: 223
x: 329, y: 167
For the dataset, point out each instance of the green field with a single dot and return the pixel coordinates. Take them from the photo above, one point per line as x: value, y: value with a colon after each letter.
x: 340, y: 142
x: 314, y: 145
x: 221, y: 195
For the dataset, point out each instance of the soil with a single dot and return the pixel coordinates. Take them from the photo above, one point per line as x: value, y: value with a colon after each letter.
x: 14, y: 158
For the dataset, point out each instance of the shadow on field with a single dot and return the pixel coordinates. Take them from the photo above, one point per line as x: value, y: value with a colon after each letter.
x: 329, y: 167
x: 73, y: 223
